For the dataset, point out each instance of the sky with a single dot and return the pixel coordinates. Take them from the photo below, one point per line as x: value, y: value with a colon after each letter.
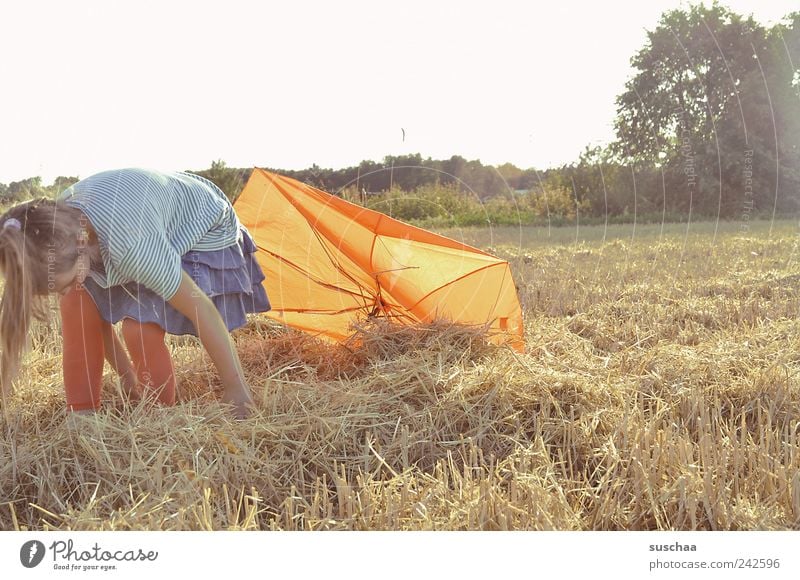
x: 95, y: 85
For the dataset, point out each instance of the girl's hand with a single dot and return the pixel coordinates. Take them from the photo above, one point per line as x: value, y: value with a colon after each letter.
x: 117, y: 357
x: 130, y: 387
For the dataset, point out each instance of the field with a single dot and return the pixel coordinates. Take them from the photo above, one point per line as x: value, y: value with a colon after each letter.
x: 660, y: 390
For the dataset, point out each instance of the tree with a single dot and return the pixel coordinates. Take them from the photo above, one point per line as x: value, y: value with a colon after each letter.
x: 688, y: 72
x: 229, y: 180
x: 61, y: 183
x: 25, y: 189
x: 700, y: 108
x: 511, y: 174
x: 783, y: 80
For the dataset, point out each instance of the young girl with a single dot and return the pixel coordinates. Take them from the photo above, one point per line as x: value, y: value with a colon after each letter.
x: 163, y: 252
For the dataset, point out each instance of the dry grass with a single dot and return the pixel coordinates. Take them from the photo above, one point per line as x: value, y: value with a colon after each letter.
x: 660, y: 390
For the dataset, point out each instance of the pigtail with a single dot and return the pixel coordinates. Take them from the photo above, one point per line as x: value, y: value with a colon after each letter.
x: 38, y: 239
x: 17, y: 305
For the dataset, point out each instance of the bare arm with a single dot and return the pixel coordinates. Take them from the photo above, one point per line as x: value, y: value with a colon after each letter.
x: 117, y: 357
x: 192, y: 302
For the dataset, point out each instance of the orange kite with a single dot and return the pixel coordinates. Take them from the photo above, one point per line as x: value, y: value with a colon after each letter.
x: 329, y: 263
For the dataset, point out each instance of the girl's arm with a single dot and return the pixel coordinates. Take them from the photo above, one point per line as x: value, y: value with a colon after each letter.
x: 193, y: 303
x: 117, y: 357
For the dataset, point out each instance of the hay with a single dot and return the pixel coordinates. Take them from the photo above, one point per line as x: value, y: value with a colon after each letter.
x: 655, y: 394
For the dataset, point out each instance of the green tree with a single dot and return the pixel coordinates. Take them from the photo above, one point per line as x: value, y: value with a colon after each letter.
x: 229, y: 180
x: 700, y: 109
x: 23, y: 190
x: 783, y: 81
x: 60, y: 184
x: 511, y: 174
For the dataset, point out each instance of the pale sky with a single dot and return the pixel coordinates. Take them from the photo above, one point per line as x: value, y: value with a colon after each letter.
x: 95, y: 85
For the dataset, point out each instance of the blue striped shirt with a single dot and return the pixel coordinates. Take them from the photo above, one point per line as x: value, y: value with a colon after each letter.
x: 146, y: 220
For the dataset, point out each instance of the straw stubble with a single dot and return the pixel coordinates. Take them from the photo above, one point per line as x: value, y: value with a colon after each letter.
x: 659, y: 390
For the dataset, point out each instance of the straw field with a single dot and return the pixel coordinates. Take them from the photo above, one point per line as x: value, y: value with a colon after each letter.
x: 659, y: 390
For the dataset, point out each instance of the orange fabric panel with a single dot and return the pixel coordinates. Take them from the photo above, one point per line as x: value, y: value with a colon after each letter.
x: 329, y: 262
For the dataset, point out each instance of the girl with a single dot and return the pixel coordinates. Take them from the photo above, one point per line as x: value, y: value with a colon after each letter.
x: 163, y: 252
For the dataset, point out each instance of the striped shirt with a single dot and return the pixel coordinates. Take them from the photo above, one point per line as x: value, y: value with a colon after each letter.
x: 146, y: 220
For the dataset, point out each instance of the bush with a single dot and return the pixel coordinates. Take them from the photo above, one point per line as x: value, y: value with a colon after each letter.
x: 556, y: 202
x: 429, y: 203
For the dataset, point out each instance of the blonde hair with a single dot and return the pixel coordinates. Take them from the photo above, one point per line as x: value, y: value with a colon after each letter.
x: 45, y: 244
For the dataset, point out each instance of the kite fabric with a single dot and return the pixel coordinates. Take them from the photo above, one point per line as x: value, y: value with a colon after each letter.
x: 330, y: 263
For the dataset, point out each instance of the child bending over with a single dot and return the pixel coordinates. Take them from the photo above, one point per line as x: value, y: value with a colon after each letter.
x: 162, y: 252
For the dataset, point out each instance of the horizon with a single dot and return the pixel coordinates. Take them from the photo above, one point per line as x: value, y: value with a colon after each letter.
x: 284, y: 169
x: 336, y: 86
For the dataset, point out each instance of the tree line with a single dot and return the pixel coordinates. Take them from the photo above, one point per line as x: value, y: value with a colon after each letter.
x: 708, y: 125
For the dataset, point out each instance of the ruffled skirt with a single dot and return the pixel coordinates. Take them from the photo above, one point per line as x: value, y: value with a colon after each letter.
x: 231, y: 277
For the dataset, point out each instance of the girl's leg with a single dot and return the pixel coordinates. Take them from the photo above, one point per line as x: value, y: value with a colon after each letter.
x: 81, y: 327
x: 151, y: 359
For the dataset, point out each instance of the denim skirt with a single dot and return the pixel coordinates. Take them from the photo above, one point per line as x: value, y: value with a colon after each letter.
x: 231, y: 277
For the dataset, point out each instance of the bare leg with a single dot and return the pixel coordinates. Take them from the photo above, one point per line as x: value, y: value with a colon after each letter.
x: 83, y: 349
x: 151, y: 359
